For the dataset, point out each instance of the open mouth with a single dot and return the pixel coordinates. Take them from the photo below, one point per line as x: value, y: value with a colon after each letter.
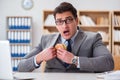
x: 66, y: 32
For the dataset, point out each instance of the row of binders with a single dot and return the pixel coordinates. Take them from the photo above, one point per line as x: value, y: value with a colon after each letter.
x: 19, y: 50
x: 88, y: 21
x: 19, y: 36
x: 116, y: 20
x: 19, y: 22
x: 15, y: 63
x: 116, y: 35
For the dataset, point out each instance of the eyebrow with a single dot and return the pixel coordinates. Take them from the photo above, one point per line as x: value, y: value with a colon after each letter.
x: 65, y: 18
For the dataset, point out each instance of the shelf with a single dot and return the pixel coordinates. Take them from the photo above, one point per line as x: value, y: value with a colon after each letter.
x: 94, y: 17
x: 19, y: 34
x: 18, y: 29
x: 97, y: 21
x: 51, y: 28
x: 117, y: 27
x: 106, y: 42
x: 102, y: 26
x: 117, y: 42
x: 95, y: 28
x: 24, y: 44
x: 115, y: 32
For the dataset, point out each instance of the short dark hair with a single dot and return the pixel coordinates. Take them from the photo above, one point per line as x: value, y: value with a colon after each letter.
x: 63, y: 7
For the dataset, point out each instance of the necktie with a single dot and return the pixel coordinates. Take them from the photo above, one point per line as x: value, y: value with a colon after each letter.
x: 69, y: 46
x: 68, y: 49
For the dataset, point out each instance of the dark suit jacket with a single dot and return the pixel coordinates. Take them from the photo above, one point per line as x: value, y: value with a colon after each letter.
x: 93, y: 54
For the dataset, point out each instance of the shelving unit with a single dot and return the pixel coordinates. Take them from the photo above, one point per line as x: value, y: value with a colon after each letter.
x: 19, y: 31
x: 48, y: 22
x: 95, y: 21
x: 116, y: 32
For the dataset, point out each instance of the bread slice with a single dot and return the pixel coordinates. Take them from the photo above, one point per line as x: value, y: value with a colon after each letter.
x: 62, y: 46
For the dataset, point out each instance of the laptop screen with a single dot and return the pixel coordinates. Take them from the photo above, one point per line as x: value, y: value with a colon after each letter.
x: 5, y: 60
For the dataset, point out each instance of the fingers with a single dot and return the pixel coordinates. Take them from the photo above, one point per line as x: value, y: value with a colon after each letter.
x: 48, y: 53
x: 53, y: 50
x: 51, y: 53
x: 61, y: 53
x: 54, y: 56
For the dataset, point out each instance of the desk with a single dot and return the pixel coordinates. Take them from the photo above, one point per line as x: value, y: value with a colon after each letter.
x: 56, y: 76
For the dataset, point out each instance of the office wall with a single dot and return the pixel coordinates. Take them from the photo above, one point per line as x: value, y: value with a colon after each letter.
x: 14, y: 8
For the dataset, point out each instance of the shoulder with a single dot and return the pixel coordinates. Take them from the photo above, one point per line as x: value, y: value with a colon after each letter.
x: 92, y: 34
x: 89, y: 34
x: 49, y: 37
x: 93, y: 38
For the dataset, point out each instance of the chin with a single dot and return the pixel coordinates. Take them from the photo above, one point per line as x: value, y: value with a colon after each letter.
x: 66, y: 37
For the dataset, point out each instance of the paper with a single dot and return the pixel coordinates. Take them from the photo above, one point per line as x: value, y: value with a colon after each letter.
x: 113, y: 75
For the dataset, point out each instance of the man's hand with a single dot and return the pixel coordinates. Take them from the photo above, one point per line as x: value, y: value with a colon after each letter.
x: 46, y: 55
x: 65, y: 56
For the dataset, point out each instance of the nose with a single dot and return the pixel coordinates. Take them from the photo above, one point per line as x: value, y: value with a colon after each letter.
x: 64, y: 25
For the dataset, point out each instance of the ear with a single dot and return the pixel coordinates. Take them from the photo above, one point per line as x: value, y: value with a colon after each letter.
x: 76, y: 20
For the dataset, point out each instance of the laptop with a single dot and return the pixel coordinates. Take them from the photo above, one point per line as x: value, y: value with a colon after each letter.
x: 6, y: 65
x: 5, y: 60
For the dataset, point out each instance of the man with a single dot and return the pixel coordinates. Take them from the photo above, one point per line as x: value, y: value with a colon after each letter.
x: 87, y: 52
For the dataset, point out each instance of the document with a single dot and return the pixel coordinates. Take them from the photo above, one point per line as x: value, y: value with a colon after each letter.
x: 112, y: 75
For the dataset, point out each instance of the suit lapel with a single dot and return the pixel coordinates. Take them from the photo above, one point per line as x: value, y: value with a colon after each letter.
x: 78, y: 41
x: 54, y: 39
x: 56, y: 60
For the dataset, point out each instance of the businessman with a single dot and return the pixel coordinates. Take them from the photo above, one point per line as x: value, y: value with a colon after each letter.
x: 85, y: 50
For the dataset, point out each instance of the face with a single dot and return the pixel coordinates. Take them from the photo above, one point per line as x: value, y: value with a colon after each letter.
x: 66, y: 24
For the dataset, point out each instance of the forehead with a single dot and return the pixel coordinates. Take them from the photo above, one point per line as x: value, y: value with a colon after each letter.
x: 64, y: 15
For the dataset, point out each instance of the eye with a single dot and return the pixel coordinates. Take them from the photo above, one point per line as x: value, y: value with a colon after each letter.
x: 59, y: 22
x: 69, y: 20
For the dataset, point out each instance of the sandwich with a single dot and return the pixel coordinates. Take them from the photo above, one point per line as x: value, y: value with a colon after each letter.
x: 61, y: 46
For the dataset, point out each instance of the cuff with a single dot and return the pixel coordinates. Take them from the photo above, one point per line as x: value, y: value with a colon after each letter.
x: 36, y: 65
x: 78, y: 63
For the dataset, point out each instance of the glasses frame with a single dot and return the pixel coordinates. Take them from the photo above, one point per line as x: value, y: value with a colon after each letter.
x: 67, y: 21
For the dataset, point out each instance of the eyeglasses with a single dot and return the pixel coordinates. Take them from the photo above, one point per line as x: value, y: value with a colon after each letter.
x: 67, y: 21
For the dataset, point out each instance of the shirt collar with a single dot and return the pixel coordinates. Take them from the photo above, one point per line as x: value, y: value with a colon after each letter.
x: 72, y: 39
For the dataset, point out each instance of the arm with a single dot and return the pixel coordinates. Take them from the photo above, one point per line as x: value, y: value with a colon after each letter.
x: 101, y: 59
x: 27, y: 63
x: 37, y: 55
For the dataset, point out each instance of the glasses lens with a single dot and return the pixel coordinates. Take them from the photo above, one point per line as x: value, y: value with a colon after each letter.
x: 69, y: 20
x: 59, y: 22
